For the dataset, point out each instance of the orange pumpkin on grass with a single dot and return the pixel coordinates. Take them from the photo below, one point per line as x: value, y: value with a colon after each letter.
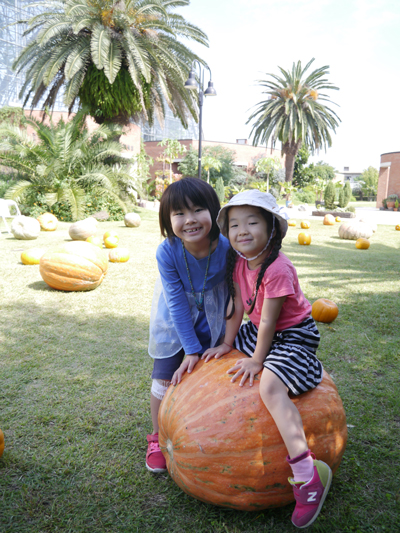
x: 291, y: 223
x: 305, y: 224
x: 329, y: 220
x: 74, y: 266
x: 222, y: 446
x: 324, y: 310
x: 304, y: 238
x: 362, y: 244
x: 397, y: 227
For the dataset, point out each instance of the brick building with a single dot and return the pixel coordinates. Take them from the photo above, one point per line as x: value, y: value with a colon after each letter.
x: 389, y: 176
x: 245, y: 154
x: 130, y: 139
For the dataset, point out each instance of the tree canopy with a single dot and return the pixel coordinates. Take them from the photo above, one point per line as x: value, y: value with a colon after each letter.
x: 295, y: 112
x: 120, y: 59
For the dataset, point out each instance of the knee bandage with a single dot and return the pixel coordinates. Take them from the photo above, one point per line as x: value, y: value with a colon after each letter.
x: 159, y: 388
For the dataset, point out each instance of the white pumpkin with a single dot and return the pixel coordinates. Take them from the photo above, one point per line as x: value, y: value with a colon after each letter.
x: 25, y: 228
x: 132, y: 220
x: 372, y: 225
x: 81, y: 230
x: 355, y: 230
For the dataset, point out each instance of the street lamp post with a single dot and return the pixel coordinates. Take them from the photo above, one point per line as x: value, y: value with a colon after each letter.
x: 193, y: 84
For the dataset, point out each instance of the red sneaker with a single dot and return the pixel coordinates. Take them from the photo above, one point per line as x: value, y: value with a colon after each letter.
x: 155, y: 461
x: 310, y: 496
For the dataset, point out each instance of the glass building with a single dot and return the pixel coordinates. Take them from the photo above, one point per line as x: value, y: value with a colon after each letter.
x: 11, y: 44
x: 172, y: 129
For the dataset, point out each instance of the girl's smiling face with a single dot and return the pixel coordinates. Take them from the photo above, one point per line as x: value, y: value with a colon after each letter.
x: 247, y: 230
x: 192, y: 224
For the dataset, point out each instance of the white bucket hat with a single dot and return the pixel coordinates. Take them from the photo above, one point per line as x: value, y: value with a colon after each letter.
x: 255, y: 198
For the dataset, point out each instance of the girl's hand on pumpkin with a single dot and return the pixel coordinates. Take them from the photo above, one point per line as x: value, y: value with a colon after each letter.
x: 247, y: 368
x: 216, y: 352
x: 187, y: 365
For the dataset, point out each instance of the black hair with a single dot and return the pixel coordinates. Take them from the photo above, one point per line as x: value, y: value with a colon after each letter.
x: 276, y: 243
x: 176, y: 197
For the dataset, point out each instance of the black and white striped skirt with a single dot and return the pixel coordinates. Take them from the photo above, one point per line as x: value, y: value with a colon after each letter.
x: 292, y: 354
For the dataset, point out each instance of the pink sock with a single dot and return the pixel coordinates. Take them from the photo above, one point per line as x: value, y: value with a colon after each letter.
x: 302, y: 466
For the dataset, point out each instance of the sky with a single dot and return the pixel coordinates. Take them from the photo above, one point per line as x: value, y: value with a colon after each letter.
x: 358, y: 39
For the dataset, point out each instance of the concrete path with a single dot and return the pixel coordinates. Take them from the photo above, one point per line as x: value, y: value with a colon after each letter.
x: 369, y: 214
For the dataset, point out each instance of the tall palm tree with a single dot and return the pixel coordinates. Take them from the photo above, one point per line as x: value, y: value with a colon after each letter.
x: 120, y: 59
x: 295, y: 112
x: 64, y: 163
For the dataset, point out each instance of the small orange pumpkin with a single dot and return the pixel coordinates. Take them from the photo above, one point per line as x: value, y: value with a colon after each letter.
x: 362, y: 244
x: 1, y: 443
x: 398, y: 227
x: 338, y: 219
x: 47, y: 221
x: 119, y: 255
x: 291, y: 223
x: 329, y: 220
x: 304, y: 238
x: 324, y: 310
x: 74, y: 266
x: 228, y: 451
x: 305, y: 224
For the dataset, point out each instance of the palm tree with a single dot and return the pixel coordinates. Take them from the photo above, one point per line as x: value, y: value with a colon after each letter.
x: 208, y: 162
x: 295, y: 112
x: 64, y: 163
x: 120, y: 59
x: 267, y: 165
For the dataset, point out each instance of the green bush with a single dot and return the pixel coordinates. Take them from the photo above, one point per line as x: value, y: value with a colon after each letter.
x: 220, y: 189
x: 329, y: 196
x: 95, y: 202
x: 348, y: 194
x: 305, y: 197
x: 342, y: 198
x: 351, y: 209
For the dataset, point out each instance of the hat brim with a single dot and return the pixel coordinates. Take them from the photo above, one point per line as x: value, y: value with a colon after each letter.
x: 255, y: 200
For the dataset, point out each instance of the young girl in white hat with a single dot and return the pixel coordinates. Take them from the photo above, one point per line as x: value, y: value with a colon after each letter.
x: 280, y: 339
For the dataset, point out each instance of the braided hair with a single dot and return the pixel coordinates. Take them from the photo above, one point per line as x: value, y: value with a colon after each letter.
x: 276, y: 242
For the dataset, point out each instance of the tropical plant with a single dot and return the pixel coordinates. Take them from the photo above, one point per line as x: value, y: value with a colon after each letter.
x: 119, y: 59
x: 267, y: 165
x: 208, y: 162
x: 211, y: 170
x: 288, y: 189
x: 295, y: 112
x: 64, y: 163
x: 173, y: 148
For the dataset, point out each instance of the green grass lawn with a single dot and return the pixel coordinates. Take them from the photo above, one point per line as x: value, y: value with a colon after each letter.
x: 75, y: 380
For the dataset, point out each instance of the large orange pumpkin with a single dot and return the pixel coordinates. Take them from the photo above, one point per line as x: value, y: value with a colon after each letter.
x: 74, y: 266
x: 324, y: 310
x: 222, y: 446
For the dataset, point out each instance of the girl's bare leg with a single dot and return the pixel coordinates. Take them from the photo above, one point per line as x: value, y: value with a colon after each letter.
x: 155, y: 406
x: 274, y: 394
